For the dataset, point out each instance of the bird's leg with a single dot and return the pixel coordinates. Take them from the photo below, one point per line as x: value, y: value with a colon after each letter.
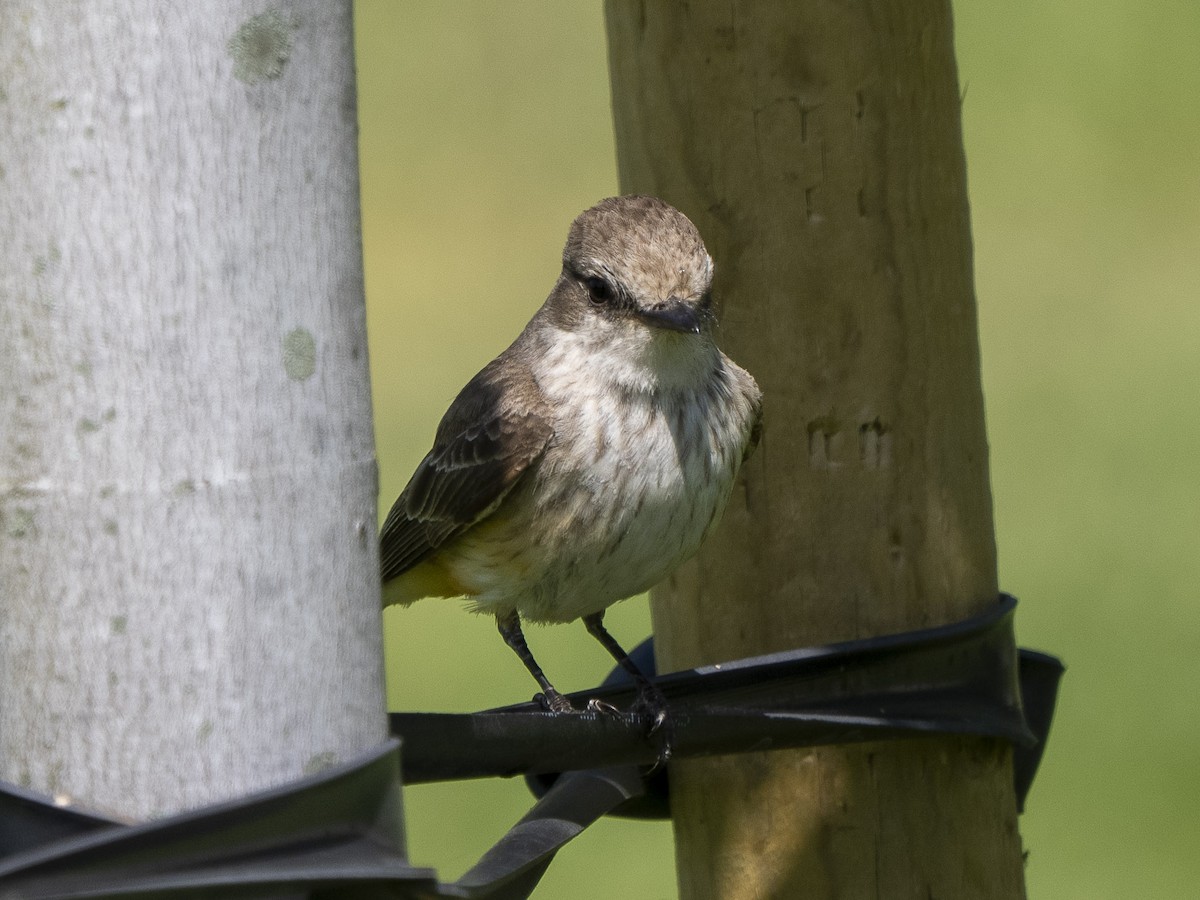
x: 650, y: 699
x: 509, y: 626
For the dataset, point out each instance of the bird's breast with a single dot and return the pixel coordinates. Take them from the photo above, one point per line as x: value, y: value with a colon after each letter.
x: 631, y: 483
x: 628, y: 491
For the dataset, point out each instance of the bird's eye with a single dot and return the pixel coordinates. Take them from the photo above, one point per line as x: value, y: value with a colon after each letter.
x: 599, y: 290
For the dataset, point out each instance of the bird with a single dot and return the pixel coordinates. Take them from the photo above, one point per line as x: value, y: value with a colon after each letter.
x: 594, y: 455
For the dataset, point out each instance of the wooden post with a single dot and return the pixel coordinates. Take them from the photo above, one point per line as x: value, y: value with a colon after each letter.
x: 817, y: 146
x: 189, y: 599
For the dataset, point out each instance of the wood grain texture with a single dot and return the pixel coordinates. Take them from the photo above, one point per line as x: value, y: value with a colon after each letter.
x: 818, y: 148
x: 188, y: 567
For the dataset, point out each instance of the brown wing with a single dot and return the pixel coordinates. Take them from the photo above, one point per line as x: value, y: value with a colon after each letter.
x: 495, y: 428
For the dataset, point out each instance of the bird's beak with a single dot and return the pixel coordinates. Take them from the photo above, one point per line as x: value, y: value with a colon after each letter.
x: 674, y: 315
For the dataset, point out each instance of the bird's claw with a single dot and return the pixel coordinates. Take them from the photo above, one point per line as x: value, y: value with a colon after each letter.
x: 604, y: 708
x: 658, y: 718
x: 651, y: 705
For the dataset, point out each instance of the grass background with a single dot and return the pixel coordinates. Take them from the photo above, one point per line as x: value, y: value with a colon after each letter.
x: 486, y: 128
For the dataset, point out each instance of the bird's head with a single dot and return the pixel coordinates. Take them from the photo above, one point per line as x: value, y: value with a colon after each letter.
x: 635, y: 270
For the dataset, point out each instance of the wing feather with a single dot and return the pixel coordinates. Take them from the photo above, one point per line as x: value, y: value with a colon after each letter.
x: 491, y: 434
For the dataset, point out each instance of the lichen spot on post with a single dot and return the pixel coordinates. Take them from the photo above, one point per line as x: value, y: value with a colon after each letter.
x: 299, y: 354
x: 260, y: 47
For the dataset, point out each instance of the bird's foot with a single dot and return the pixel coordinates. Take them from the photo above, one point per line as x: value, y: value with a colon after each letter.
x: 552, y: 701
x: 650, y: 705
x: 655, y: 713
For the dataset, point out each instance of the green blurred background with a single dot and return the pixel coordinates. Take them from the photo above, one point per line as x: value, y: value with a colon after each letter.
x: 486, y: 128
